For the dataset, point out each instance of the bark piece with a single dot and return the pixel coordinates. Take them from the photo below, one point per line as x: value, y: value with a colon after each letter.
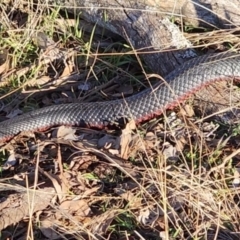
x: 143, y: 27
x: 146, y: 24
x: 23, y: 202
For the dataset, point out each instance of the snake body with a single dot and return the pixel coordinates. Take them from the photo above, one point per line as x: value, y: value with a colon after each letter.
x: 177, y: 87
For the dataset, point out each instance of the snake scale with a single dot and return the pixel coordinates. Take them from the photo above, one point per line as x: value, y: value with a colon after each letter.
x: 177, y: 87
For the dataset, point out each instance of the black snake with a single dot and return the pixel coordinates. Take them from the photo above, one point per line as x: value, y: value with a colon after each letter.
x: 178, y: 86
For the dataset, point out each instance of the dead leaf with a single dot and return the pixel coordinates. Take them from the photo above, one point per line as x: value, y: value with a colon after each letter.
x: 131, y: 125
x: 114, y: 151
x: 187, y: 110
x: 236, y: 180
x: 4, y: 203
x: 78, y: 208
x: 81, y: 162
x: 21, y: 201
x: 180, y: 143
x: 136, y: 145
x: 148, y: 216
x: 126, y: 138
x: 3, y: 67
x: 36, y: 82
x: 90, y: 191
x: 101, y: 223
x: 150, y: 140
x: 3, y: 61
x: 64, y: 182
x: 133, y: 200
x: 68, y: 69
x: 125, y: 141
x: 55, y: 183
x: 169, y: 152
x: 163, y: 235
x: 66, y: 133
x: 11, y: 161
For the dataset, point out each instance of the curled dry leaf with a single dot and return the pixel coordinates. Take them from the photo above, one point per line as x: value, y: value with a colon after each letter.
x: 11, y: 161
x: 114, y: 151
x: 126, y: 138
x: 187, y: 110
x: 208, y: 126
x: 236, y: 180
x: 3, y: 61
x: 101, y: 223
x: 180, y: 143
x: 136, y: 145
x: 66, y: 133
x: 150, y: 140
x: 55, y: 182
x: 81, y: 162
x: 3, y: 67
x: 76, y: 208
x: 133, y: 200
x: 170, y: 151
x: 130, y: 126
x: 148, y: 216
x: 42, y: 80
x: 163, y: 235
x: 90, y: 191
x: 69, y: 67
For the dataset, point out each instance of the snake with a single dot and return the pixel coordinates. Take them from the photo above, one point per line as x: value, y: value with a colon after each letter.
x: 167, y: 93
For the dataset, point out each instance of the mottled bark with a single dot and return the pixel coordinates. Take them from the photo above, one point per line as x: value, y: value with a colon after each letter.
x: 22, y: 203
x: 146, y: 24
x: 203, y: 13
x: 146, y: 30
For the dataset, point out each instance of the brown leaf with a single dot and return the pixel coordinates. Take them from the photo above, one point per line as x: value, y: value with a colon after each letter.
x: 3, y: 61
x: 3, y: 67
x: 126, y: 138
x: 150, y: 140
x: 55, y: 183
x: 11, y: 161
x: 36, y: 82
x: 180, y: 143
x: 236, y: 180
x: 148, y: 215
x: 133, y: 200
x: 68, y: 69
x: 66, y: 133
x: 187, y: 110
x: 77, y: 207
x: 101, y: 223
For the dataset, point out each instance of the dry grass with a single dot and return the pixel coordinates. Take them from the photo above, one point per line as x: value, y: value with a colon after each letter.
x: 168, y: 179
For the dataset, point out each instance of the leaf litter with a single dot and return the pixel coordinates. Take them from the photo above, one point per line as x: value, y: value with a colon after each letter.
x: 128, y: 179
